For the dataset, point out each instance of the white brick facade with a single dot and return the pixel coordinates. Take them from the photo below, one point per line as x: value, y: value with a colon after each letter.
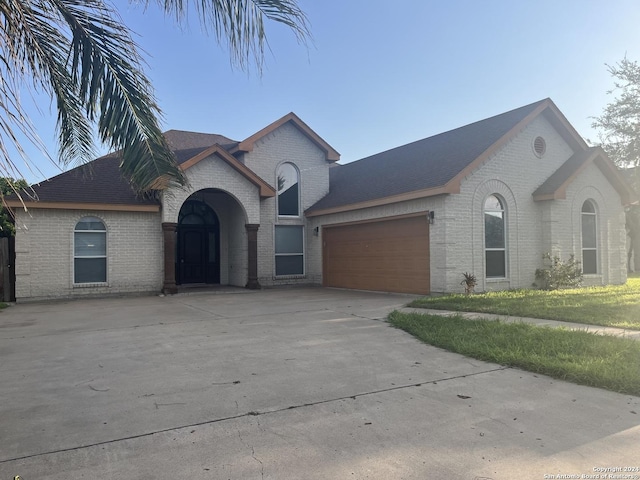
x: 288, y: 145
x: 135, y: 249
x: 533, y: 228
x: 44, y: 253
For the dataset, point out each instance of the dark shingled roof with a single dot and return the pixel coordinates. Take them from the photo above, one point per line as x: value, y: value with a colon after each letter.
x: 428, y: 163
x: 187, y: 145
x: 100, y: 181
x: 564, y: 173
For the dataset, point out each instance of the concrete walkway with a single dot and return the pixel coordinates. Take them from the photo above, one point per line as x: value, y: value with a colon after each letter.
x: 617, y: 332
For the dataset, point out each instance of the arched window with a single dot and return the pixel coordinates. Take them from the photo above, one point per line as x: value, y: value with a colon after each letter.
x: 495, y: 238
x: 589, y: 238
x: 195, y: 212
x: 90, y: 251
x: 288, y: 191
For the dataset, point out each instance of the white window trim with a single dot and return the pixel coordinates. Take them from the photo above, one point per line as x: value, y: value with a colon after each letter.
x: 105, y: 256
x: 304, y: 256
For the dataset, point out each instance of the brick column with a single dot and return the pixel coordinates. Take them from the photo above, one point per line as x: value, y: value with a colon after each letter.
x: 169, y: 234
x: 252, y: 240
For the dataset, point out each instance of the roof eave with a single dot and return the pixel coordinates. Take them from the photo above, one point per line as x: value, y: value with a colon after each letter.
x: 450, y: 188
x: 18, y: 204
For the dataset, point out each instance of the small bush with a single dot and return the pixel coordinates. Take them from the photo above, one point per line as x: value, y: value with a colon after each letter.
x: 559, y: 274
x: 469, y: 281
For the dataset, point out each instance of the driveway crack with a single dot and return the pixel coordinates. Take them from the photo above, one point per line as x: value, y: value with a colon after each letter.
x: 254, y: 413
x: 253, y: 452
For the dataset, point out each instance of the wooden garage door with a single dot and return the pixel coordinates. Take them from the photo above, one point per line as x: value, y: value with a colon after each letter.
x: 387, y: 256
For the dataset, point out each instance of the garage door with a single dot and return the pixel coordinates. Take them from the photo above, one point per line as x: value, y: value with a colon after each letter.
x: 387, y: 256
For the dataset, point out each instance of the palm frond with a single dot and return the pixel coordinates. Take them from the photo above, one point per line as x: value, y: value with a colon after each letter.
x: 80, y: 53
x: 240, y: 24
x: 107, y: 71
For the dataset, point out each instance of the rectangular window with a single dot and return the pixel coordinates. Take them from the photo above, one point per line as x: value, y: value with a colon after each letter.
x: 589, y: 261
x: 496, y: 264
x: 289, y: 250
x: 90, y: 270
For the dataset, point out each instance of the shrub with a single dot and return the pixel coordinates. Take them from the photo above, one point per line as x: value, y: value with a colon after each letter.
x: 469, y: 281
x: 559, y: 273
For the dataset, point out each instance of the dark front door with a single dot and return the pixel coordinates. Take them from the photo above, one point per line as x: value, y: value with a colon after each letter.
x: 198, y: 251
x: 192, y: 255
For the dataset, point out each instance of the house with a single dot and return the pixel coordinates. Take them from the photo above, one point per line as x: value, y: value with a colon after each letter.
x: 488, y: 198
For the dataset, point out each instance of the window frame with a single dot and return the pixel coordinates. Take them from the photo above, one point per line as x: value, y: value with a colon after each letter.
x: 504, y: 248
x: 75, y: 255
x: 583, y: 249
x: 288, y: 254
x: 299, y: 191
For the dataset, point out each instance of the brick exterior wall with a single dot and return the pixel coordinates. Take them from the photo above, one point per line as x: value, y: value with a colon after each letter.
x: 610, y: 222
x: 213, y: 172
x: 288, y: 145
x: 514, y: 172
x: 44, y: 253
x: 44, y: 238
x: 533, y: 228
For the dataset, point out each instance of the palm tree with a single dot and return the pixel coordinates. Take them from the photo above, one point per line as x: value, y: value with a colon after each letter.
x: 80, y: 53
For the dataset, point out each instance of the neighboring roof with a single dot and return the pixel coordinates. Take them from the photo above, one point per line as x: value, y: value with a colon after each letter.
x: 247, y: 145
x: 434, y: 165
x: 555, y: 187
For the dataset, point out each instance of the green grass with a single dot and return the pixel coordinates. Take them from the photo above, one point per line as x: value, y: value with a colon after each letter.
x: 613, y: 306
x: 607, y: 362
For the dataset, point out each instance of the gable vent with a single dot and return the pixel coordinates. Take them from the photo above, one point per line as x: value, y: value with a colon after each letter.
x: 539, y: 146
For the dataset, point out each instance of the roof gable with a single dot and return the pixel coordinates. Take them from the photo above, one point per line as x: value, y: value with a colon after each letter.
x: 555, y: 187
x: 266, y: 190
x: 434, y: 165
x: 247, y: 145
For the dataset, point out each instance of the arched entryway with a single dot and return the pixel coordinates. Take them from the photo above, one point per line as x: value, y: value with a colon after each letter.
x: 211, y: 241
x: 198, y: 244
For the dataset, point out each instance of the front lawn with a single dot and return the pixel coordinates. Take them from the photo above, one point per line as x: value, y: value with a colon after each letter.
x: 576, y: 356
x: 612, y: 306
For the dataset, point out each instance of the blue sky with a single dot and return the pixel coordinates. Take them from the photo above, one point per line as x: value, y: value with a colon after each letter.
x: 382, y: 74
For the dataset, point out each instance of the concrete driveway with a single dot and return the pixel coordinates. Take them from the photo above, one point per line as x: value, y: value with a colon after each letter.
x: 305, y: 383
